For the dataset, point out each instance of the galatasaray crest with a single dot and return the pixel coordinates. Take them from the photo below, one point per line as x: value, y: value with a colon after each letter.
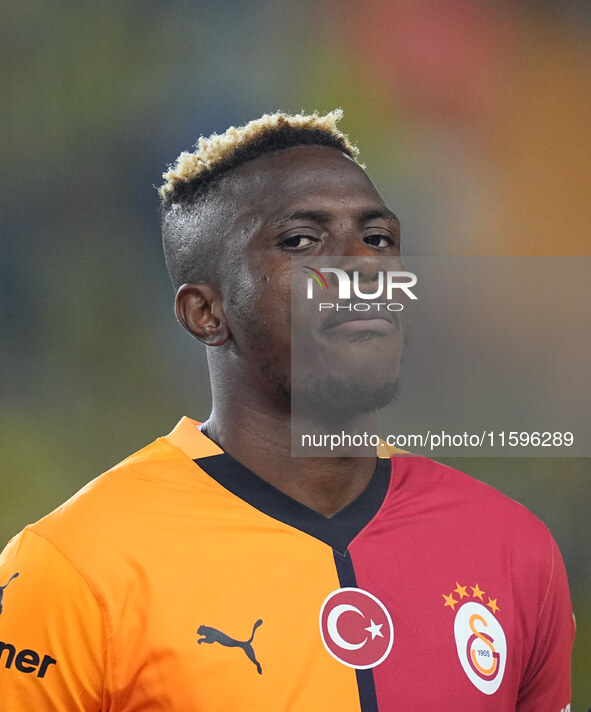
x: 480, y: 639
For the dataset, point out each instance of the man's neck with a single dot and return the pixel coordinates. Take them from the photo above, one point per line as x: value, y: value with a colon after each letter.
x: 261, y: 440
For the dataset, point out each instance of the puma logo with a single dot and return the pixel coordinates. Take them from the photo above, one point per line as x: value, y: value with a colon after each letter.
x: 3, y: 587
x: 212, y: 635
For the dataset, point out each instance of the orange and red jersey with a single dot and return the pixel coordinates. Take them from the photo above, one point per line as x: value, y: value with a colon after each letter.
x: 180, y: 581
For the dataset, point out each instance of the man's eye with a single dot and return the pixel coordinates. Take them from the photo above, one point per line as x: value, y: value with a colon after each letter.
x: 378, y: 240
x: 296, y: 241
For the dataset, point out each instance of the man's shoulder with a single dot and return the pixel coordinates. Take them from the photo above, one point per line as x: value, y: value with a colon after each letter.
x: 455, y: 494
x: 127, y: 494
x: 128, y: 519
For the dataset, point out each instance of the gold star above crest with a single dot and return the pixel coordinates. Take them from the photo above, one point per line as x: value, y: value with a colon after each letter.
x: 476, y: 592
x: 492, y: 604
x: 460, y: 590
x: 450, y: 600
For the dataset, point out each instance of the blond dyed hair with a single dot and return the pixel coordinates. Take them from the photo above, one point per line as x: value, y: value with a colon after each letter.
x: 194, y: 172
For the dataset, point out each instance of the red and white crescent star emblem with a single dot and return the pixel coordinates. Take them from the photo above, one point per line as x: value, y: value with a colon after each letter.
x: 356, y: 628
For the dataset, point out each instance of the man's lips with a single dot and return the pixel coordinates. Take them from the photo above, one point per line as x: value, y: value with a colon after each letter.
x: 372, y: 319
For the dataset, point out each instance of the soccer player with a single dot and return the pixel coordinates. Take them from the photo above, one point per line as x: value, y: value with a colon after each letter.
x: 214, y: 571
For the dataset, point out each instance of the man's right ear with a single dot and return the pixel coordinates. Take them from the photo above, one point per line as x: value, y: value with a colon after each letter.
x: 199, y: 309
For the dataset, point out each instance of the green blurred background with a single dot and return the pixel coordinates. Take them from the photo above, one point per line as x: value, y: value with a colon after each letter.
x: 472, y: 117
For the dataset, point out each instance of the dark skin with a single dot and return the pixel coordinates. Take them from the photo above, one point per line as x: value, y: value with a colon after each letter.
x: 309, y: 201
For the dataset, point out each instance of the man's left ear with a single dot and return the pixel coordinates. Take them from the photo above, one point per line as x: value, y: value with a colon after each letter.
x: 199, y: 309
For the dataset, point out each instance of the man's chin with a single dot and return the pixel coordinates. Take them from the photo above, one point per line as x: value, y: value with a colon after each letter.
x: 335, y: 403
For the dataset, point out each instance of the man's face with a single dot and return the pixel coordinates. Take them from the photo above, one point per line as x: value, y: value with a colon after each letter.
x: 308, y: 202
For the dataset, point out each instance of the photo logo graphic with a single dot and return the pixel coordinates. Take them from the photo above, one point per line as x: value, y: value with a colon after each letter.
x: 480, y: 639
x: 356, y: 628
x: 386, y: 283
x: 317, y: 276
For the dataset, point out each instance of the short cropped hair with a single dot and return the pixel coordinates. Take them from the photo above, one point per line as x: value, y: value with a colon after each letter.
x: 219, y: 154
x: 188, y: 182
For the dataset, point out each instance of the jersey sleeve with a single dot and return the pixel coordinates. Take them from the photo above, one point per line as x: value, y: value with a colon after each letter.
x: 53, y: 644
x: 546, y: 684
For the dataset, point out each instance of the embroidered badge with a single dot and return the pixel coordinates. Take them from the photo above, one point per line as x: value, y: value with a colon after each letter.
x: 480, y: 639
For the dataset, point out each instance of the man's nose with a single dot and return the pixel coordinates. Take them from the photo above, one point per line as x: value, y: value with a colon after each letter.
x: 367, y: 267
x: 360, y: 257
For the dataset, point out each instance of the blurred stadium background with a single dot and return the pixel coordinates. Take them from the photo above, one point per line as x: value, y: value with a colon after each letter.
x: 472, y: 116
